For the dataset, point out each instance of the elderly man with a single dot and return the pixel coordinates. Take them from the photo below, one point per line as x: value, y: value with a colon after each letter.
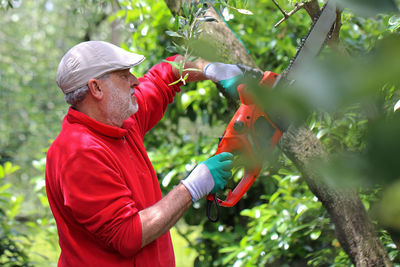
x: 101, y: 186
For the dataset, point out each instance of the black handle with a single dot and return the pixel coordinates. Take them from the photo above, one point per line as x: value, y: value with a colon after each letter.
x: 208, y: 209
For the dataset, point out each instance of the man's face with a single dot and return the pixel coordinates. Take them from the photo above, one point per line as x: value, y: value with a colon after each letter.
x: 120, y: 99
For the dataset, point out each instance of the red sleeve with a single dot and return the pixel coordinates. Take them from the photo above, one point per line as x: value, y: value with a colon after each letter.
x: 154, y: 95
x: 99, y: 200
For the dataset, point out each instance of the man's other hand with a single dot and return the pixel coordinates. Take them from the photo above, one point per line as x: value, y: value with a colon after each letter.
x: 230, y: 76
x: 209, y: 176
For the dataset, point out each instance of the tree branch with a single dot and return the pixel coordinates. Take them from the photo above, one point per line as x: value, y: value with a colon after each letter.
x: 312, y: 8
x: 334, y: 41
x: 354, y: 229
x: 229, y: 46
x: 287, y: 15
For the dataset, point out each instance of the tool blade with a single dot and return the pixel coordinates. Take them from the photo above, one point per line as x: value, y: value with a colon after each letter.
x: 314, y: 42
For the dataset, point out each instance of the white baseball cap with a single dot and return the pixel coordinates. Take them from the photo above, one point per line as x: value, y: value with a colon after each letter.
x: 90, y: 60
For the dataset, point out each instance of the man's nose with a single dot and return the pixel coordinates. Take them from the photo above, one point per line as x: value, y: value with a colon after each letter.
x: 134, y: 81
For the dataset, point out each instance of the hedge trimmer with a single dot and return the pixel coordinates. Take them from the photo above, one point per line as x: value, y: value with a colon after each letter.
x: 242, y: 133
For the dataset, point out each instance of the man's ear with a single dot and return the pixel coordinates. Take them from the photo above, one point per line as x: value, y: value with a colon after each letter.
x: 95, y: 89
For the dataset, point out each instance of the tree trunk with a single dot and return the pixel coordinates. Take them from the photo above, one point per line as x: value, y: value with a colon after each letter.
x: 229, y: 47
x: 354, y: 229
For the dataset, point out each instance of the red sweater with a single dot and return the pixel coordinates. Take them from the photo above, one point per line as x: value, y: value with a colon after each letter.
x: 98, y: 177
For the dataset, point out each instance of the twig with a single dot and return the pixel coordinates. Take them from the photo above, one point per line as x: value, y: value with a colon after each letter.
x: 334, y: 41
x: 297, y: 7
x: 283, y: 11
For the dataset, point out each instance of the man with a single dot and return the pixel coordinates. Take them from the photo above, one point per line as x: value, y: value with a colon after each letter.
x: 101, y: 186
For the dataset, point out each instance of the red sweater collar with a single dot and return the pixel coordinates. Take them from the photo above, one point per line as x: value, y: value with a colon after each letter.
x: 75, y: 116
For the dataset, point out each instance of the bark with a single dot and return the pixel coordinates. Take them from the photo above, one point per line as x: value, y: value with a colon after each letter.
x: 312, y: 7
x: 230, y: 48
x: 175, y: 6
x: 354, y: 229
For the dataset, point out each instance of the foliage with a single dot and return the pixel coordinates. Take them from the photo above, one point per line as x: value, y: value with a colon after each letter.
x: 146, y: 23
x: 291, y: 226
x: 43, y: 228
x: 285, y: 224
x: 32, y: 106
x: 13, y: 240
x: 33, y: 40
x: 279, y: 221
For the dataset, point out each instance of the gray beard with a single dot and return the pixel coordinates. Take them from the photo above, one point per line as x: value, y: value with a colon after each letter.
x: 119, y: 108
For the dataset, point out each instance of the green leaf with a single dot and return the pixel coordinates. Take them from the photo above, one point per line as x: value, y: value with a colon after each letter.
x: 4, y: 187
x: 16, y: 205
x: 9, y: 168
x: 243, y: 242
x: 248, y: 212
x: 171, y: 49
x: 176, y: 22
x: 188, y: 98
x: 1, y: 172
x: 173, y: 34
x: 44, y: 201
x: 192, y: 69
x: 315, y: 235
x: 186, y: 10
x: 274, y: 196
x: 244, y: 11
x: 228, y: 258
x: 300, y: 227
x: 322, y: 133
x: 227, y: 249
x: 282, y: 228
x: 167, y: 179
x: 177, y: 81
x: 173, y: 64
x: 394, y: 23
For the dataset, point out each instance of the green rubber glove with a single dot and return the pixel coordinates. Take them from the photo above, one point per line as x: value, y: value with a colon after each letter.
x: 220, y: 168
x: 209, y: 176
x: 229, y: 76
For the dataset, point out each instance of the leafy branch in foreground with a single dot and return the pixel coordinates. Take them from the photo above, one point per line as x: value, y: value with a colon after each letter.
x: 188, y: 28
x: 181, y: 68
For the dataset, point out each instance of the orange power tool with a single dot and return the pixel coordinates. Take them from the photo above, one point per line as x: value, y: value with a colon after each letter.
x: 249, y: 134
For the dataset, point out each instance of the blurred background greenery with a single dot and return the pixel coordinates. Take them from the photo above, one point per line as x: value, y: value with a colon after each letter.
x: 348, y: 103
